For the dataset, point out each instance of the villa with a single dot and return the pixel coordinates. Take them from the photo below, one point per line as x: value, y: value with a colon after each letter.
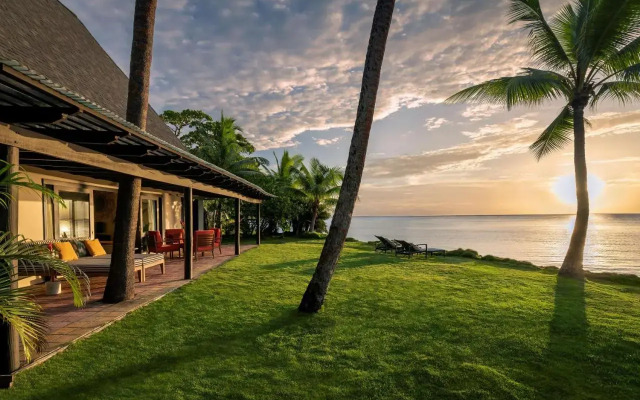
x: 62, y: 99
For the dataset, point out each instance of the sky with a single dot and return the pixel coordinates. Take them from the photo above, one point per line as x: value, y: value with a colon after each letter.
x: 290, y: 72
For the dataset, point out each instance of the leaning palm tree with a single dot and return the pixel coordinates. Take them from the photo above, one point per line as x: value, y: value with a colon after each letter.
x: 18, y: 307
x: 590, y: 51
x: 317, y: 289
x: 121, y: 279
x: 319, y: 185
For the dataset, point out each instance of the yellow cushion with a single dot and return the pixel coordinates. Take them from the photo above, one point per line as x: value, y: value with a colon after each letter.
x: 66, y: 251
x: 94, y: 247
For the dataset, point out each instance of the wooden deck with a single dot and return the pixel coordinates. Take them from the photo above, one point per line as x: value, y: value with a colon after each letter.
x: 68, y: 323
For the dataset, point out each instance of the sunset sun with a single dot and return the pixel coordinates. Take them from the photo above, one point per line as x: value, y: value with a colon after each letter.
x: 564, y: 187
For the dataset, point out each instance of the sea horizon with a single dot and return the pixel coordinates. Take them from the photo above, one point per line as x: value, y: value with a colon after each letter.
x: 490, y: 215
x: 612, y: 238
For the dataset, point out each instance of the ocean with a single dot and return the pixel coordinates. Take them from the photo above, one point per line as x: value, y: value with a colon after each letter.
x: 613, y: 240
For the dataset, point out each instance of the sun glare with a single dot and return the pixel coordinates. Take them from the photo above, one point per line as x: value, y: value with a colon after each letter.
x: 564, y: 187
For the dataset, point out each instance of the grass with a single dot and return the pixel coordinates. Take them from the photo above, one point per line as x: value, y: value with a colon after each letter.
x: 394, y: 328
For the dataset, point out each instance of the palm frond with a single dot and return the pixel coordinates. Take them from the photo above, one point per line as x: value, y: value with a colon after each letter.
x: 531, y: 87
x: 21, y: 179
x: 16, y: 304
x: 613, y: 24
x: 622, y: 91
x: 544, y: 44
x: 624, y: 58
x: 19, y: 309
x: 557, y: 134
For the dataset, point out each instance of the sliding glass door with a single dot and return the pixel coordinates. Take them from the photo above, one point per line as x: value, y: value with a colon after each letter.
x: 75, y: 216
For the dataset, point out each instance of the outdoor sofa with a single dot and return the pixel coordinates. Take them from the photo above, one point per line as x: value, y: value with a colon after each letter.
x: 92, y: 266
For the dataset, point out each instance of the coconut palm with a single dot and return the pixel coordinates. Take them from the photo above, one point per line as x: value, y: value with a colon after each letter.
x: 287, y: 167
x: 317, y: 289
x: 223, y: 144
x: 17, y: 305
x: 589, y: 52
x: 320, y: 185
x: 121, y: 279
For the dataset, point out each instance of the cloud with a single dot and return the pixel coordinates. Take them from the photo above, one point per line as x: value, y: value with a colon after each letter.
x: 478, y: 112
x: 297, y: 65
x: 327, y: 142
x: 458, y: 162
x: 434, y: 123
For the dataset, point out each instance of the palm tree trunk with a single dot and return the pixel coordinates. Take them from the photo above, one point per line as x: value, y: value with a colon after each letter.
x: 572, y: 265
x: 317, y: 289
x: 314, y: 216
x: 121, y: 279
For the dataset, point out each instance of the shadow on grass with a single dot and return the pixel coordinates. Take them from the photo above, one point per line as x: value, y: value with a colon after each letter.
x: 566, y: 356
x: 181, y: 358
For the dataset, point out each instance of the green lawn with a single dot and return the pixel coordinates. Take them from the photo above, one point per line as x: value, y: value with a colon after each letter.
x: 391, y: 328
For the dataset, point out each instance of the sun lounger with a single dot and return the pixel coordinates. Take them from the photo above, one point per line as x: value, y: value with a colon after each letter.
x: 385, y: 244
x: 410, y: 249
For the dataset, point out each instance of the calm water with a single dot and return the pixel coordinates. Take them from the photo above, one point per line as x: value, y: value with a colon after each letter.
x: 613, y: 241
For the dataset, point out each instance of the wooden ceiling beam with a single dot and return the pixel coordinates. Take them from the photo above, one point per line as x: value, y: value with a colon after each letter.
x: 83, y: 137
x: 35, y: 115
x: 37, y: 143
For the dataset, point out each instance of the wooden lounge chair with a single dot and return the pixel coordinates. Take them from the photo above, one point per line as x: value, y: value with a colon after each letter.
x: 204, y: 241
x: 410, y: 249
x: 385, y: 244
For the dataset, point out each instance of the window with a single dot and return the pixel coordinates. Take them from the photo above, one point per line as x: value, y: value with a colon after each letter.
x: 74, y: 219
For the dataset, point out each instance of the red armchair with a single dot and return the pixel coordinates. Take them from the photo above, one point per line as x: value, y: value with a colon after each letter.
x: 156, y: 245
x: 173, y: 236
x: 217, y: 239
x: 203, y: 241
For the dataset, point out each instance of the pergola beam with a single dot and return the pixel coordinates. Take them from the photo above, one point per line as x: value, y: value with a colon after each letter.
x: 44, y: 115
x: 188, y: 233
x: 237, y: 247
x: 81, y: 136
x: 38, y: 143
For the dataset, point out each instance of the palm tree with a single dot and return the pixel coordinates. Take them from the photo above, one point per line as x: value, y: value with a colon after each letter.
x: 223, y: 144
x: 287, y: 167
x: 591, y: 52
x: 17, y: 305
x: 317, y: 289
x: 319, y: 185
x: 121, y: 279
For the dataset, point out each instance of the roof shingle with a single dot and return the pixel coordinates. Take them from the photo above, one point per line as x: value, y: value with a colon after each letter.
x: 47, y: 37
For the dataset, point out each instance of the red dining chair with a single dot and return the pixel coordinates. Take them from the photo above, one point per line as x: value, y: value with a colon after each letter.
x: 203, y: 241
x: 156, y: 245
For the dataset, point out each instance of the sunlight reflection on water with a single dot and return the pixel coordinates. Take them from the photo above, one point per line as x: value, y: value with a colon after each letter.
x: 613, y: 240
